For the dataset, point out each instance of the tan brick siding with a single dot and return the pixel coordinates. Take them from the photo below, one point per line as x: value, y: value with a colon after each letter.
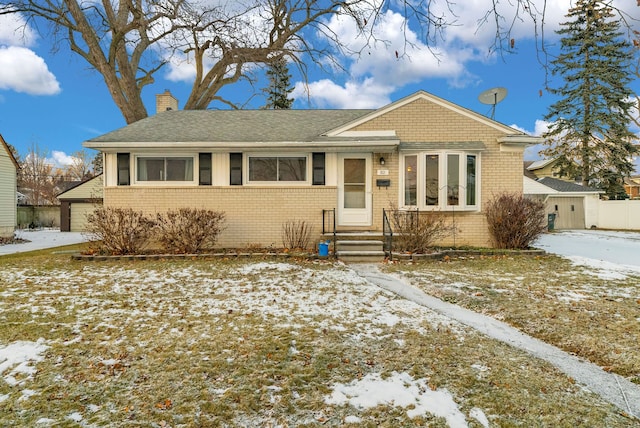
x: 254, y: 215
x: 422, y: 122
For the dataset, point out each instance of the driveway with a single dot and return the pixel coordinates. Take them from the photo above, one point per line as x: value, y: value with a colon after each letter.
x: 621, y: 248
x: 41, y: 239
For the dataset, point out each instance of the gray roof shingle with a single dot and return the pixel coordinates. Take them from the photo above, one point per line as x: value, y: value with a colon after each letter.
x: 233, y: 126
x: 565, y: 186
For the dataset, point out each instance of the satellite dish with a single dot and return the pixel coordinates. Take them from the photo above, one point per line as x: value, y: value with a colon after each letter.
x: 492, y: 97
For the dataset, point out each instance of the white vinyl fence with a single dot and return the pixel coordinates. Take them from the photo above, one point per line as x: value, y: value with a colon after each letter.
x: 619, y: 215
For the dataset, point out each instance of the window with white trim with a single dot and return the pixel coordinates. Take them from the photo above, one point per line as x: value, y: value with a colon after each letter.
x: 164, y: 168
x: 291, y: 169
x: 440, y: 180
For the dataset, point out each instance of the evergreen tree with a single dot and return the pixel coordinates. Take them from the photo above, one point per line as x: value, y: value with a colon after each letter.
x: 589, y: 134
x: 279, y: 85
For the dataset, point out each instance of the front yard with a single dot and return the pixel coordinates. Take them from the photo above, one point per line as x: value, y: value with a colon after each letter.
x: 589, y: 310
x: 262, y: 343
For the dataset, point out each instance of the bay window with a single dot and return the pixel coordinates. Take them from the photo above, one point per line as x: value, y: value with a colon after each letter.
x: 440, y: 180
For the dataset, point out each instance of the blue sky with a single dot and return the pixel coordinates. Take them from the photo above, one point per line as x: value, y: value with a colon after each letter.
x: 56, y: 101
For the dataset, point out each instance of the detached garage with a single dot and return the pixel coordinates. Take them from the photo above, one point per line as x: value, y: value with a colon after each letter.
x: 574, y: 206
x: 79, y: 201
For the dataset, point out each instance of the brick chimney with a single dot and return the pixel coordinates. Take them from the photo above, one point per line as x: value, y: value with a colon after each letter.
x: 165, y: 102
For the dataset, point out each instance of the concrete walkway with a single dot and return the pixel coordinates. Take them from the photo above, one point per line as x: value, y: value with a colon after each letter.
x: 611, y: 387
x: 41, y: 239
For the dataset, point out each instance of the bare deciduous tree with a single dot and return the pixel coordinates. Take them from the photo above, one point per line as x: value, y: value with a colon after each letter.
x: 36, y: 177
x: 129, y: 41
x: 80, y: 167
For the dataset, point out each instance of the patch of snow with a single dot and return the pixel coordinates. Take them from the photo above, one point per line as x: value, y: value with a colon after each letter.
x: 26, y: 394
x: 3, y: 397
x: 93, y: 408
x: 480, y: 367
x: 604, y: 269
x: 352, y: 420
x: 19, y: 357
x: 76, y: 339
x: 75, y: 416
x: 256, y: 268
x: 613, y: 255
x: 401, y: 390
x: 45, y: 421
x: 479, y: 416
x: 387, y: 319
x: 570, y: 296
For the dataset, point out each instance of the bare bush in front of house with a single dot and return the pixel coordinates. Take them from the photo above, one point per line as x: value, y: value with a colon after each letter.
x: 514, y: 220
x: 296, y: 234
x: 416, y: 232
x: 189, y: 230
x: 119, y: 231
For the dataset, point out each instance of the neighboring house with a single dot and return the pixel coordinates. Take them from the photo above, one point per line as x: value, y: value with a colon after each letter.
x: 79, y: 201
x: 542, y: 168
x: 22, y: 198
x: 575, y: 206
x: 8, y: 191
x: 264, y: 167
x: 632, y: 186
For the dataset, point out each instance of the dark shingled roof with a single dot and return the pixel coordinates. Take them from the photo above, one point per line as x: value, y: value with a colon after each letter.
x: 565, y: 186
x: 233, y: 126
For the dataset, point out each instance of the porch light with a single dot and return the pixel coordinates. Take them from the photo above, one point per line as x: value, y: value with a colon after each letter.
x: 381, y: 160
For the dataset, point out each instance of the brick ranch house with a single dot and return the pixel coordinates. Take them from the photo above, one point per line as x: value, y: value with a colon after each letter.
x: 265, y: 167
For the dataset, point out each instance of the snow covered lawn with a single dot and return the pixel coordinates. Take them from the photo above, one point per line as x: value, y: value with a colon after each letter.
x: 589, y: 307
x: 232, y: 343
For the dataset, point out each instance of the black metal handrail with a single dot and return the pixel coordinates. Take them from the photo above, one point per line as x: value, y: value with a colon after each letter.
x: 402, y: 219
x: 329, y: 226
x: 387, y: 233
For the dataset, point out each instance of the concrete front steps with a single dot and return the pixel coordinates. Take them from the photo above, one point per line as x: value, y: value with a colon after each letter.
x: 359, y: 249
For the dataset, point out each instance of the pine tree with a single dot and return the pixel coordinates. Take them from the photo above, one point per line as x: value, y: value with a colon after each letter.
x: 279, y: 85
x: 589, y: 135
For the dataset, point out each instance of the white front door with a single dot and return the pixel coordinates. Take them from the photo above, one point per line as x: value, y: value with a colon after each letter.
x: 354, y: 189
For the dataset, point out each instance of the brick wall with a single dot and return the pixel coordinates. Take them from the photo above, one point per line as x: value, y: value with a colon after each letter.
x: 424, y: 122
x: 254, y: 215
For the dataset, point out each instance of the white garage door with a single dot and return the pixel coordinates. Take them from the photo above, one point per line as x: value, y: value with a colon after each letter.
x: 79, y: 212
x: 569, y: 212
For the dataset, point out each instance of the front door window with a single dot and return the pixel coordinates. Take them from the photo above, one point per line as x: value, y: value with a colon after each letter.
x: 355, y: 186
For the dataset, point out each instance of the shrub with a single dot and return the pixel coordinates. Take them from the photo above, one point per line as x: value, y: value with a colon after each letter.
x: 296, y: 234
x: 119, y: 230
x: 416, y: 232
x: 514, y: 221
x: 188, y: 230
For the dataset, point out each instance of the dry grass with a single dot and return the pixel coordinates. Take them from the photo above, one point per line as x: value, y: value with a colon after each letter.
x: 546, y: 297
x: 232, y: 343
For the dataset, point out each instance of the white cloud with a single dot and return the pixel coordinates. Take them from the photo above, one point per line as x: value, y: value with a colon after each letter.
x: 14, y: 31
x: 540, y: 127
x: 21, y: 70
x: 328, y: 94
x: 467, y: 40
x: 396, y: 59
x: 60, y: 159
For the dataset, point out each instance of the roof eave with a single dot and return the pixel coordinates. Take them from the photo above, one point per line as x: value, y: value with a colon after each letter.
x: 347, y: 145
x: 518, y: 142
